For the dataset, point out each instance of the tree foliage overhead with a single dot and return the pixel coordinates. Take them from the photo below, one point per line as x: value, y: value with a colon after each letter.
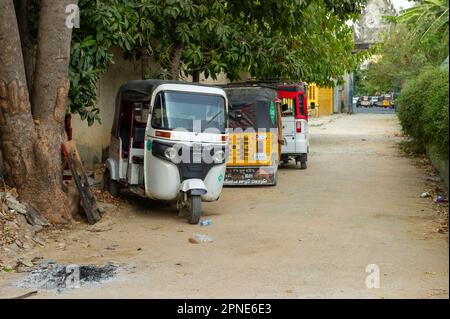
x: 427, y: 19
x: 305, y: 40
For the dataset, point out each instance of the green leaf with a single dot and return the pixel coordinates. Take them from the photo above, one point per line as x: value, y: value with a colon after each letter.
x: 87, y: 43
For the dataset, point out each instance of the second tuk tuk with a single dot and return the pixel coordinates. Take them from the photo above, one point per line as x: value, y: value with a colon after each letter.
x: 255, y: 135
x: 168, y: 142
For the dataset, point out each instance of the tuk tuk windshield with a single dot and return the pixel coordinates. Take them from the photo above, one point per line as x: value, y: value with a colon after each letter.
x: 180, y: 110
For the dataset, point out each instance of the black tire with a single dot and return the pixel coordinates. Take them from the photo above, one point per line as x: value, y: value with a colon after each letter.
x: 195, y: 209
x: 303, y: 165
x: 110, y: 185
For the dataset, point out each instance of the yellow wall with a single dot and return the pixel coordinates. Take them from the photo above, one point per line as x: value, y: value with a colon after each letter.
x: 325, y: 101
x: 322, y: 97
x: 313, y: 94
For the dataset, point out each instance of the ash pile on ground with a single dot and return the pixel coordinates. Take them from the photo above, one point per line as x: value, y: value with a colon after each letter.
x: 53, y: 276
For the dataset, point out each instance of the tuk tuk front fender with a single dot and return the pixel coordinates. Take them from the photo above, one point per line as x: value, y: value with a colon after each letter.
x: 194, y: 184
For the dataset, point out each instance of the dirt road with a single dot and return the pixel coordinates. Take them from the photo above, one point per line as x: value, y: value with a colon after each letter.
x: 312, y: 236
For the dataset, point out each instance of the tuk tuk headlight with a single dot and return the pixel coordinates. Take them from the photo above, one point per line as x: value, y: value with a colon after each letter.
x: 219, y: 156
x: 170, y: 153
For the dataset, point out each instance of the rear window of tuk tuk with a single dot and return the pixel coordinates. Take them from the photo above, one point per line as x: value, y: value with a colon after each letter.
x: 298, y: 95
x: 252, y: 108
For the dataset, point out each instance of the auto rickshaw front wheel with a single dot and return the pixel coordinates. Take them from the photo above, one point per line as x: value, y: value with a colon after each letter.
x: 195, y: 209
x: 110, y: 185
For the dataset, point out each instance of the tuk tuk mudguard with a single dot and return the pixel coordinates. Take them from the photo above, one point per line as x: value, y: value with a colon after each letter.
x: 214, y: 183
x: 164, y: 171
x: 193, y: 184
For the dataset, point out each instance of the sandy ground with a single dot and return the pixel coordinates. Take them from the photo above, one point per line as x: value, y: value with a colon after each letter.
x: 312, y: 236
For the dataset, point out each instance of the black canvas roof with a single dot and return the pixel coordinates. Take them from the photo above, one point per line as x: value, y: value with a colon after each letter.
x: 253, y: 103
x: 140, y: 90
x: 244, y: 94
x: 148, y: 86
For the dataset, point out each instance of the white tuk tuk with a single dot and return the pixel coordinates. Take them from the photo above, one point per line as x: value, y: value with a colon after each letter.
x: 295, y: 123
x: 168, y: 142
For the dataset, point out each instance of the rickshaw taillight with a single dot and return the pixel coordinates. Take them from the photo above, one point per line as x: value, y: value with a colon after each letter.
x: 163, y: 134
x: 224, y: 138
x: 298, y: 127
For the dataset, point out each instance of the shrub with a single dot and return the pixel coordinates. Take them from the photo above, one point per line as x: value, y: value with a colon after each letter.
x: 423, y: 109
x: 410, y: 110
x: 436, y: 114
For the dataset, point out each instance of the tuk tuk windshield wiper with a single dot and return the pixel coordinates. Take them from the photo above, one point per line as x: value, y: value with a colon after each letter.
x: 214, y: 117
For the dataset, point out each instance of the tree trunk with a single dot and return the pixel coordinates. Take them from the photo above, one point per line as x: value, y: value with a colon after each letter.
x: 17, y: 134
x: 27, y: 45
x: 49, y: 100
x: 145, y: 64
x: 32, y: 147
x: 176, y: 60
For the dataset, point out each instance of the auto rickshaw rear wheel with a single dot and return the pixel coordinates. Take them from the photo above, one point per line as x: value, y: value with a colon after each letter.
x: 195, y: 209
x: 110, y: 185
x: 303, y: 159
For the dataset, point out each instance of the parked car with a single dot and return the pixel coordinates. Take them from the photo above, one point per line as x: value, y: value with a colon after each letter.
x: 364, y: 101
x: 355, y: 101
x: 375, y: 101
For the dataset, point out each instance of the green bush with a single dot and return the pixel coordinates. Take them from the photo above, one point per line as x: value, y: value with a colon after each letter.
x: 423, y: 109
x: 410, y: 110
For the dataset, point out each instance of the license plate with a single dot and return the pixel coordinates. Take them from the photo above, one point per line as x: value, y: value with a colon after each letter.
x: 249, y: 176
x: 260, y: 157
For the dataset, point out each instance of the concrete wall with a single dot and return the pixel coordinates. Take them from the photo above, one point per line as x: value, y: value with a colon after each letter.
x: 92, y: 142
x: 347, y: 93
x: 337, y: 98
